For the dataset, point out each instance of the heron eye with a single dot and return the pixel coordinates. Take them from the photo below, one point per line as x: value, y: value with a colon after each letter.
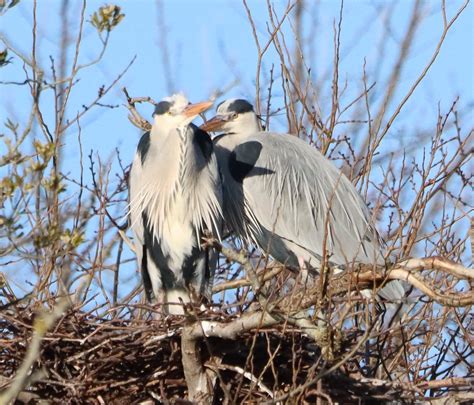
x: 234, y: 115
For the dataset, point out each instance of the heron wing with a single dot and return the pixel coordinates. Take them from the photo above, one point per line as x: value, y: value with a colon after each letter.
x: 134, y: 186
x: 296, y: 194
x: 135, y: 218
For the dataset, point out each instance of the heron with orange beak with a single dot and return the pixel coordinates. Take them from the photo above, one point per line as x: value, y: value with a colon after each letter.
x: 284, y: 196
x: 175, y: 196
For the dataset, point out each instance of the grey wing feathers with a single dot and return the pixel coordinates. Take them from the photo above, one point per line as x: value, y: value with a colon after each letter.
x: 136, y: 223
x: 158, y: 257
x: 310, y: 188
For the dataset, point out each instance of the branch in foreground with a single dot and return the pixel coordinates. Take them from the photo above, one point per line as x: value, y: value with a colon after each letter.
x: 365, y: 277
x: 127, y: 361
x: 134, y: 116
x: 403, y: 271
x: 41, y: 326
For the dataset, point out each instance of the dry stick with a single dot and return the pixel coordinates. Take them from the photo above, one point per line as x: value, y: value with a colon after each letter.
x: 282, y: 49
x: 368, y: 150
x: 299, y: 318
x: 399, y: 272
x: 65, y: 97
x: 393, y: 81
x: 438, y: 263
x: 194, y: 373
x: 287, y: 67
x: 200, y: 388
x: 297, y: 67
x: 341, y: 283
x: 418, y: 202
x: 135, y: 117
x: 100, y: 95
x: 120, y: 228
x: 263, y: 277
x: 248, y: 375
x: 248, y: 321
x: 448, y: 382
x: 446, y: 28
x: 164, y: 43
x: 260, y: 55
x: 452, y: 300
x: 241, y: 258
x: 335, y: 82
x: 42, y: 324
x: 116, y: 273
x: 330, y: 370
x: 200, y: 382
x: 126, y: 239
x: 262, y: 50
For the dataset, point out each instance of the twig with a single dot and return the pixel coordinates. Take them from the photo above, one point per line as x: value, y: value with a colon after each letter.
x: 135, y: 117
x: 248, y: 375
x: 42, y: 324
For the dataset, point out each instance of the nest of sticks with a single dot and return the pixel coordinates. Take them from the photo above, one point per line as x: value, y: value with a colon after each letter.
x: 87, y: 359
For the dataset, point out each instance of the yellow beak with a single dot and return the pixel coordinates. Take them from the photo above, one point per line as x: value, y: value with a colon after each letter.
x: 213, y: 124
x: 195, y: 109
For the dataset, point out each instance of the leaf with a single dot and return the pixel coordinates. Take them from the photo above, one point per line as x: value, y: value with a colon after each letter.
x: 107, y: 17
x: 3, y: 58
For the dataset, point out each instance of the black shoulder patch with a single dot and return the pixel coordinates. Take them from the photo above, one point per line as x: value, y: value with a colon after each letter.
x: 204, y: 142
x: 162, y: 107
x: 243, y: 158
x: 240, y: 106
x: 143, y: 146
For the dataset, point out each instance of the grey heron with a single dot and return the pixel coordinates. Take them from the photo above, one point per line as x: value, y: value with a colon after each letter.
x: 283, y: 195
x: 175, y: 196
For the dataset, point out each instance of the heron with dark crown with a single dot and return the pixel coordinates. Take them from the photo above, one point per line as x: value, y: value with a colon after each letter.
x: 283, y: 195
x: 175, y: 196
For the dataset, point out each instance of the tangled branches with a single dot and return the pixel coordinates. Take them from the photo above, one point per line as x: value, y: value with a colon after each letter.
x: 74, y: 326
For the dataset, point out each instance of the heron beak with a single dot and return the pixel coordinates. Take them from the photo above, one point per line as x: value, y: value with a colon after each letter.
x: 213, y: 124
x: 195, y: 109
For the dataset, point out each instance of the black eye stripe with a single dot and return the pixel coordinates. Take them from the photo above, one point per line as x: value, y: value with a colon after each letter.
x: 162, y: 107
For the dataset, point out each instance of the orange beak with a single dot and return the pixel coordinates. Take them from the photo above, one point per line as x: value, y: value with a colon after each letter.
x: 195, y: 109
x: 213, y: 124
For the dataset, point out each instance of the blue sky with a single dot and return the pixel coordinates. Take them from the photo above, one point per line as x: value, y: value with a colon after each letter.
x: 210, y: 43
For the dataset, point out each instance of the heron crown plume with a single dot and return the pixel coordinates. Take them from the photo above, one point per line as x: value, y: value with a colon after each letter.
x: 178, y: 102
x: 174, y: 104
x: 170, y: 114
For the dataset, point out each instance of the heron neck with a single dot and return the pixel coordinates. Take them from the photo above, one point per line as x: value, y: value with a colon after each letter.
x: 170, y: 152
x: 157, y: 135
x: 235, y: 136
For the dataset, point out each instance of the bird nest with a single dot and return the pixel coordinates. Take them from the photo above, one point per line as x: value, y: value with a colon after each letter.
x: 97, y: 360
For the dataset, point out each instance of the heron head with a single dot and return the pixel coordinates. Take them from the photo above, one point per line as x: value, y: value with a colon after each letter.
x: 234, y: 116
x: 176, y: 110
